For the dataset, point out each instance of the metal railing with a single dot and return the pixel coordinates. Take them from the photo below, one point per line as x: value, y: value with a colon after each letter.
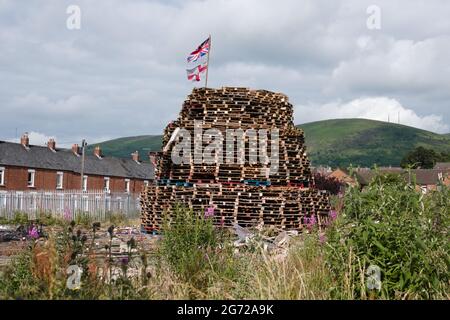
x: 67, y: 204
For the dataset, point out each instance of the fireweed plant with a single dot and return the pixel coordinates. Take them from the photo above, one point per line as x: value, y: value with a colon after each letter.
x: 392, y: 225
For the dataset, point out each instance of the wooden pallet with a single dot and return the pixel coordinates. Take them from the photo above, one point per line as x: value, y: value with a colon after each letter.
x: 239, y: 192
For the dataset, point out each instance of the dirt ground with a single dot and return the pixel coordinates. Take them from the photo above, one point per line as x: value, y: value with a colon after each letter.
x: 144, y: 242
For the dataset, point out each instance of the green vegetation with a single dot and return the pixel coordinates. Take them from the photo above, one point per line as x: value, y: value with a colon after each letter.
x: 339, y: 142
x: 343, y: 142
x: 123, y: 147
x: 399, y: 230
x: 387, y: 227
x: 424, y: 158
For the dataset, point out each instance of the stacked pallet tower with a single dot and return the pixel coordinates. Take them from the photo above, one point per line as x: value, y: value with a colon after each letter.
x: 240, y: 193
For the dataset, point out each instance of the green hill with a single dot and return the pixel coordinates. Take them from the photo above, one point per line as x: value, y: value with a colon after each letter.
x: 123, y: 147
x: 342, y: 142
x: 339, y: 142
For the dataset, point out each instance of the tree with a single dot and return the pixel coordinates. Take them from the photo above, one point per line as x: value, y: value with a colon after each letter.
x: 330, y: 184
x: 423, y: 158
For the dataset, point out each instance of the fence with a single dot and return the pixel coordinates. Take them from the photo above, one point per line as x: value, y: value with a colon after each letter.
x: 68, y: 204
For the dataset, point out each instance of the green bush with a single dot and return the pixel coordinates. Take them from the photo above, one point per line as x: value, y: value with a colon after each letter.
x: 17, y: 281
x: 403, y: 232
x: 186, y: 241
x: 117, y: 218
x: 196, y: 251
x: 83, y: 219
x: 20, y: 218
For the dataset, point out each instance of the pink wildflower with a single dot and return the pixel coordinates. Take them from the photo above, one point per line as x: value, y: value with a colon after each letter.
x: 333, y: 214
x: 209, y: 212
x: 33, y: 233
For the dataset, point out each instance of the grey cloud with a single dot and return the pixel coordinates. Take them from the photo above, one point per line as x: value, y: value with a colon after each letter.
x: 123, y: 73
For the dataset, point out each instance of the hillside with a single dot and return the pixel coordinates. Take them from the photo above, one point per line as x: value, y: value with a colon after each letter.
x: 342, y: 142
x: 123, y: 147
x: 339, y: 142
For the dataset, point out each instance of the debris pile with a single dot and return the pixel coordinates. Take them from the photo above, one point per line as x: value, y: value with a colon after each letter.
x: 238, y: 192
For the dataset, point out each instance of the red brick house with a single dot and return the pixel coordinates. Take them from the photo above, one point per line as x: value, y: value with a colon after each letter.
x: 28, y: 167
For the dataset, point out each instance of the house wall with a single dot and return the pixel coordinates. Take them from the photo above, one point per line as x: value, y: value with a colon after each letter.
x: 16, y: 178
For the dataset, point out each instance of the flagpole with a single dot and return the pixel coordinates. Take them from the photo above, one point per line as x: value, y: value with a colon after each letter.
x: 207, y: 63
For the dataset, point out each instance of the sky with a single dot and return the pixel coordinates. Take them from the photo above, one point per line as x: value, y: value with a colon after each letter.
x: 123, y: 72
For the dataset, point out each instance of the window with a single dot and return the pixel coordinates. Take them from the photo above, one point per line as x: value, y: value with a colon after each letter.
x: 85, y: 181
x: 127, y: 185
x: 145, y: 183
x: 106, y: 184
x: 59, y: 180
x: 31, y: 175
x: 2, y: 176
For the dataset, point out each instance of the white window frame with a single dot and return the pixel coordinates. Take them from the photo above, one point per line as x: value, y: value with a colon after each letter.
x: 2, y: 176
x: 127, y: 185
x: 60, y: 174
x: 146, y: 183
x: 106, y: 185
x: 85, y: 183
x: 33, y: 178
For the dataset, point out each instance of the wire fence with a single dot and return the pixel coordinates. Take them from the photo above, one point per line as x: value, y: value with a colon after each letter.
x: 67, y: 204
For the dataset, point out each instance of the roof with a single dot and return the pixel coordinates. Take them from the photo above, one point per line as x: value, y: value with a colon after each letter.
x: 442, y: 166
x: 38, y: 157
x: 423, y: 176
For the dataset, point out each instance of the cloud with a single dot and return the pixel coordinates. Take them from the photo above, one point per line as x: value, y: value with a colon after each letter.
x: 387, y: 64
x: 123, y: 73
x: 36, y: 138
x: 374, y: 108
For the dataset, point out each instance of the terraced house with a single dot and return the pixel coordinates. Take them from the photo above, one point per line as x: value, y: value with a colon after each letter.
x: 26, y: 167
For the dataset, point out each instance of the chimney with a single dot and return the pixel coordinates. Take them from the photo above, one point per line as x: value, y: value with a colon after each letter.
x: 135, y: 156
x: 98, y: 151
x: 51, y: 144
x: 75, y: 149
x: 24, y: 140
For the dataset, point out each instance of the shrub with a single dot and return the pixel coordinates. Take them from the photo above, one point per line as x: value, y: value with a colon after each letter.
x: 18, y: 281
x: 20, y: 218
x: 331, y: 184
x: 401, y: 231
x: 196, y: 251
x: 83, y: 219
x: 117, y: 218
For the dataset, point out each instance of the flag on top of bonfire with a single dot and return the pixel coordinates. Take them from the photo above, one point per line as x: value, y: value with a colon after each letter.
x: 202, y: 50
x: 193, y: 74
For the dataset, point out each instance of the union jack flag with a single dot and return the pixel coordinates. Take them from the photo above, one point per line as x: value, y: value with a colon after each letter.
x: 200, y: 51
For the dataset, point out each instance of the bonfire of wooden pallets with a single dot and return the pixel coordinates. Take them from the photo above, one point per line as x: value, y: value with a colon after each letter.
x: 239, y: 192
